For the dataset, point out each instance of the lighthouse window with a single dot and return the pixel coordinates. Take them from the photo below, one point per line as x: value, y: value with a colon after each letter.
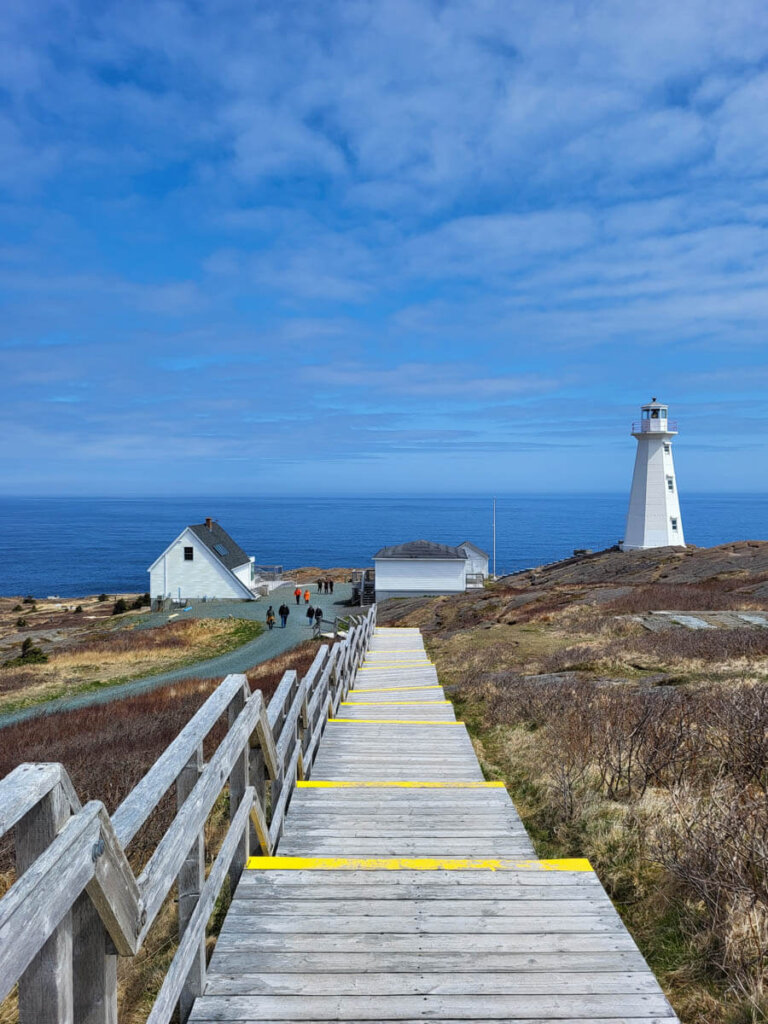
x: 670, y: 483
x: 189, y: 554
x: 663, y: 413
x: 674, y: 524
x: 667, y: 448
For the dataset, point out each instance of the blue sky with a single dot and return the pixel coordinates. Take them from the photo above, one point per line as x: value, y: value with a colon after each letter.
x: 346, y: 247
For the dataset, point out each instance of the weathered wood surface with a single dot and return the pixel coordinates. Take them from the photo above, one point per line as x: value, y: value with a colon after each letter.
x: 315, y: 944
x: 76, y: 904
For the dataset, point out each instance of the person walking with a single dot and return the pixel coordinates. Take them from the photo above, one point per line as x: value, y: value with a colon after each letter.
x: 297, y: 595
x: 306, y: 596
x: 318, y: 616
x: 283, y: 611
x: 325, y: 586
x: 330, y: 584
x: 319, y: 586
x: 311, y: 616
x: 270, y: 617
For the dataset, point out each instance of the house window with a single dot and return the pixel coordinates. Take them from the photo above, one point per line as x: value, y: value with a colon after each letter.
x: 189, y: 554
x: 667, y: 447
x: 670, y: 483
x: 674, y: 524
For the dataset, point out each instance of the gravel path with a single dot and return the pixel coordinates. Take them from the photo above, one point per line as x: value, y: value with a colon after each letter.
x: 268, y: 645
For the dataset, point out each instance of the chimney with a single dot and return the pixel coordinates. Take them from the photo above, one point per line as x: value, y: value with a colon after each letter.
x: 209, y: 522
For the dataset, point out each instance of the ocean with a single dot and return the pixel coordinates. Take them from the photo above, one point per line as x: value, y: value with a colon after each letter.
x: 76, y: 546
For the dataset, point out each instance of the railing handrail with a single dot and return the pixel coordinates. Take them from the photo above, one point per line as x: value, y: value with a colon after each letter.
x: 72, y: 859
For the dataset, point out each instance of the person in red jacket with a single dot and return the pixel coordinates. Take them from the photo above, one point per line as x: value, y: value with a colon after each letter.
x: 297, y: 595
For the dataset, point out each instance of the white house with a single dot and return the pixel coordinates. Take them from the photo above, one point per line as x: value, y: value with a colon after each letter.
x: 420, y: 568
x: 653, y: 518
x: 203, y: 561
x: 477, y: 559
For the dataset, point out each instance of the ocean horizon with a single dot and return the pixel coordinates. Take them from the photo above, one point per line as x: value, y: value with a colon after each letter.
x: 72, y: 546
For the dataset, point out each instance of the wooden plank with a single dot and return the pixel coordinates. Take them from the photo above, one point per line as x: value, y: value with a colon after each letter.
x: 164, y: 864
x: 238, y: 783
x: 360, y: 924
x: 190, y: 881
x: 94, y: 966
x: 184, y: 960
x: 43, y: 949
x: 263, y: 734
x: 306, y: 941
x: 443, y: 1008
x: 425, y: 983
x: 26, y: 786
x: 37, y: 903
x: 232, y: 962
x: 142, y: 800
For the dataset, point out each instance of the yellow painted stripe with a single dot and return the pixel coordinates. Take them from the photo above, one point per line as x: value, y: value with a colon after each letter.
x: 376, y: 784
x: 390, y: 703
x: 390, y: 721
x: 412, y: 864
x: 392, y: 689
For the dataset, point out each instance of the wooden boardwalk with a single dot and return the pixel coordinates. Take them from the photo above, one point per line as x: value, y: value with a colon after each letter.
x: 406, y: 888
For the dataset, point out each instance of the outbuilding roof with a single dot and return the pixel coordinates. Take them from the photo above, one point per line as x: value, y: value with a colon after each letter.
x: 469, y: 544
x: 220, y: 544
x: 422, y: 549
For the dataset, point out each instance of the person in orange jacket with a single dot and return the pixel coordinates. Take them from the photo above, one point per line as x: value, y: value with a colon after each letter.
x: 306, y: 597
x: 297, y: 595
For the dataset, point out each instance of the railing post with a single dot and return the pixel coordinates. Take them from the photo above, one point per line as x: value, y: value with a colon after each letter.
x: 45, y: 988
x: 94, y: 966
x: 238, y: 782
x: 190, y: 880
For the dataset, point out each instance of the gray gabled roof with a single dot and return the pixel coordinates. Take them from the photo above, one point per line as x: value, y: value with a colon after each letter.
x: 213, y: 535
x: 469, y: 544
x: 421, y: 549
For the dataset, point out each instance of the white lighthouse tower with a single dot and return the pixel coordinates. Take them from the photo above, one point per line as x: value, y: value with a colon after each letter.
x: 653, y: 520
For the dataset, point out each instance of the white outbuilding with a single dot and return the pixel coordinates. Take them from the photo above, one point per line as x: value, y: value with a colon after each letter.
x: 203, y: 561
x: 477, y: 559
x: 420, y: 568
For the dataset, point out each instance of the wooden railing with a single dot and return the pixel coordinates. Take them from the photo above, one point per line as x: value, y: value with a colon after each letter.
x: 76, y: 904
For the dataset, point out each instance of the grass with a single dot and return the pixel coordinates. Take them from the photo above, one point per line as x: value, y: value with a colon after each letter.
x: 120, y: 656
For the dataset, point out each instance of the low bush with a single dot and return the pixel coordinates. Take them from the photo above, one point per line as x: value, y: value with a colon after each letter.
x: 666, y: 791
x: 120, y: 606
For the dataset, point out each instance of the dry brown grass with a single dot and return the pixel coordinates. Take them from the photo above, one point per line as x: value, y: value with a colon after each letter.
x: 117, y: 656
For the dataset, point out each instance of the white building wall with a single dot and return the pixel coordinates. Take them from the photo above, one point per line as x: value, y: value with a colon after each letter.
x: 654, y: 506
x: 477, y: 562
x: 420, y: 576
x: 202, y: 577
x: 243, y: 573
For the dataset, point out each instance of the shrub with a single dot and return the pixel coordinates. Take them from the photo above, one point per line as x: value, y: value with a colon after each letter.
x: 17, y: 608
x: 79, y: 609
x: 21, y: 622
x: 141, y: 601
x: 30, y: 655
x: 103, y: 597
x: 120, y: 606
x: 29, y: 599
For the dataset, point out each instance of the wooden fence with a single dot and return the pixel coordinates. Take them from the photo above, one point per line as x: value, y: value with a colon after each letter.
x: 76, y: 904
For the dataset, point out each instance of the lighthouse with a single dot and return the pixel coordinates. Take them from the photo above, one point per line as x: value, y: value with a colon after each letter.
x: 653, y: 519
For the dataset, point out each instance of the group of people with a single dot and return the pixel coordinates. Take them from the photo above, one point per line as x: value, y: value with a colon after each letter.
x: 283, y: 611
x: 314, y: 615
